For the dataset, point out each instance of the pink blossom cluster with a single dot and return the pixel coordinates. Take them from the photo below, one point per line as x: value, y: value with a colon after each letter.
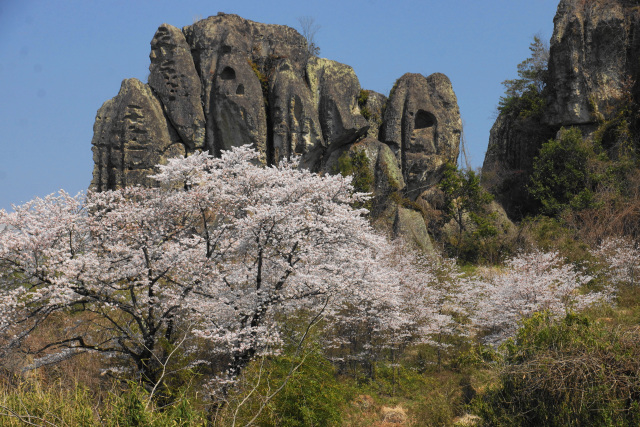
x: 247, y: 259
x: 621, y: 257
x: 529, y: 283
x: 224, y: 251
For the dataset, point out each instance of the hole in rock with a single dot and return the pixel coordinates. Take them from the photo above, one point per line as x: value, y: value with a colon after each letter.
x: 424, y: 120
x: 228, y: 74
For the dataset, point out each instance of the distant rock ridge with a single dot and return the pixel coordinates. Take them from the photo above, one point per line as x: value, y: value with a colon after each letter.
x: 593, y: 70
x: 226, y: 81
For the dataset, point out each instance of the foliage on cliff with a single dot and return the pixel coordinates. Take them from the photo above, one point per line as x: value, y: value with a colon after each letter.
x: 524, y: 96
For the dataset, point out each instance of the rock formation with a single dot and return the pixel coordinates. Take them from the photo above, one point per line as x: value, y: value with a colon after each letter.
x: 226, y: 81
x: 593, y: 71
x: 422, y: 125
x: 593, y: 59
x: 174, y: 79
x: 372, y: 107
x: 131, y: 136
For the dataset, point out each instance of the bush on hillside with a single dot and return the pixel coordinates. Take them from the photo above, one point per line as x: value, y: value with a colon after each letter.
x: 572, y: 372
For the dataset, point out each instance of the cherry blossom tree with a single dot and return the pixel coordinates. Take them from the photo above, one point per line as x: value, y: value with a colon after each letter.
x: 529, y: 283
x: 622, y: 260
x: 224, y: 252
x: 428, y: 308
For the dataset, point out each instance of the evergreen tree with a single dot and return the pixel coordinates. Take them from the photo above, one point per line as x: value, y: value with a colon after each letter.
x: 531, y: 81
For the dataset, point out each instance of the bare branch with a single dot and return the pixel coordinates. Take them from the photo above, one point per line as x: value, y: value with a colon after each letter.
x: 309, y: 30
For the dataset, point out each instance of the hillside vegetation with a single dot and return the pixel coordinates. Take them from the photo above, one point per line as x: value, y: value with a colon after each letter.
x: 241, y: 295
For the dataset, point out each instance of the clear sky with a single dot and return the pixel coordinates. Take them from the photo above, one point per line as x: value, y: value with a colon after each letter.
x: 61, y: 59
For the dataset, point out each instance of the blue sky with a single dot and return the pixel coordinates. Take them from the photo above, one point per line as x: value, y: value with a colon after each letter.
x: 60, y: 60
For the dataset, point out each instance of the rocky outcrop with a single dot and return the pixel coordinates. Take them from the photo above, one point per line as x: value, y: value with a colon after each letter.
x: 336, y: 89
x: 381, y: 164
x: 593, y: 71
x: 130, y: 136
x: 174, y: 79
x: 226, y: 81
x: 409, y: 224
x: 513, y: 144
x: 294, y: 116
x: 422, y: 125
x: 593, y: 59
x: 372, y: 106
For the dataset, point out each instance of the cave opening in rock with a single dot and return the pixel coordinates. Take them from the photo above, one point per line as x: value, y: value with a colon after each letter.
x: 228, y: 73
x: 240, y: 90
x: 424, y: 120
x: 424, y: 135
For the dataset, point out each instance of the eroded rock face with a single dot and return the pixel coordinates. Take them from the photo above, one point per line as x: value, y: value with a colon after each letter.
x: 593, y: 59
x: 231, y: 92
x: 261, y: 88
x: 593, y: 71
x: 386, y: 180
x: 373, y: 109
x: 514, y: 142
x: 381, y: 162
x: 336, y: 88
x: 294, y: 117
x: 175, y: 81
x: 422, y: 125
x: 225, y: 82
x: 130, y: 137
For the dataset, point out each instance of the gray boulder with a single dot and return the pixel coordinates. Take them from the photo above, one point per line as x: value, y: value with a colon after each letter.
x: 409, y: 225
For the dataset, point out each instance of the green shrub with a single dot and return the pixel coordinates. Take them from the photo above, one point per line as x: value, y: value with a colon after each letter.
x: 529, y: 104
x: 365, y: 112
x: 310, y: 395
x: 128, y: 408
x: 356, y: 164
x: 571, y: 372
x: 524, y: 96
x: 561, y: 177
x: 467, y: 205
x: 552, y: 234
x: 363, y: 97
x: 131, y: 407
x: 362, y: 103
x: 30, y: 401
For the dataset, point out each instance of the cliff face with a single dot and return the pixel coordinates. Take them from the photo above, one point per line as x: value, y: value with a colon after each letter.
x: 594, y: 59
x: 226, y: 81
x: 593, y: 70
